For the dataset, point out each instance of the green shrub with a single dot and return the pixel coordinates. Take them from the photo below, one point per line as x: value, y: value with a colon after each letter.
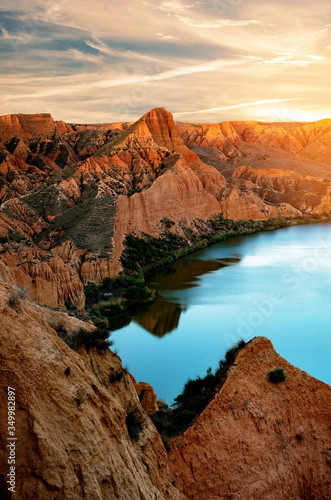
x: 167, y: 222
x: 115, y: 295
x: 195, y: 397
x: 92, y: 294
x: 149, y: 251
x: 277, y: 376
x: 100, y: 321
x: 137, y: 293
x: 69, y: 306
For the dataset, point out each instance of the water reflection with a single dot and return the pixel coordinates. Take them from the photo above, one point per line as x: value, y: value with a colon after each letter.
x: 120, y: 321
x: 185, y: 273
x: 286, y: 299
x: 161, y: 317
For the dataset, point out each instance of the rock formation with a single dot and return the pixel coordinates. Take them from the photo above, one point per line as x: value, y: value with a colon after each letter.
x: 237, y: 140
x: 257, y: 439
x: 146, y: 395
x: 69, y: 196
x: 84, y: 188
x: 82, y: 431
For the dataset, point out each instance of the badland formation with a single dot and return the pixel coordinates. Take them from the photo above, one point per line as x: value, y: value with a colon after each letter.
x: 71, y: 198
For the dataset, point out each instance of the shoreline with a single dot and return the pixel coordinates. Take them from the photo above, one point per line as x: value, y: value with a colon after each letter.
x: 286, y: 222
x: 130, y: 291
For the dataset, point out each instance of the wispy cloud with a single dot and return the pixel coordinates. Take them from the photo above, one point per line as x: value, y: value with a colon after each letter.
x: 219, y: 23
x: 17, y: 38
x: 165, y: 75
x: 173, y: 6
x: 178, y: 9
x: 236, y: 106
x: 167, y: 37
x: 294, y: 62
x: 88, y: 61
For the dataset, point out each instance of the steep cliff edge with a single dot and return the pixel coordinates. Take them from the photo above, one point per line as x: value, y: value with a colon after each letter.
x: 31, y: 127
x: 256, y: 439
x: 71, y: 194
x: 81, y: 431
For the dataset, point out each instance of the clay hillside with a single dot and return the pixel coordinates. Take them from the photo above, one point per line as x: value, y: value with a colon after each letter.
x: 85, y: 211
x: 71, y: 193
x: 83, y: 432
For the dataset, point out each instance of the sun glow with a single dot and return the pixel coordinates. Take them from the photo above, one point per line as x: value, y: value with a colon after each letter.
x: 220, y: 60
x: 286, y: 114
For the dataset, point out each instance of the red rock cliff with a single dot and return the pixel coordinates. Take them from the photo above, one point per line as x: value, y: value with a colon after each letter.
x: 258, y: 440
x: 81, y: 431
x: 119, y: 180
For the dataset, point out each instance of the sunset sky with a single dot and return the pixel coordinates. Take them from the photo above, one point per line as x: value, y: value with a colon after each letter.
x: 105, y: 60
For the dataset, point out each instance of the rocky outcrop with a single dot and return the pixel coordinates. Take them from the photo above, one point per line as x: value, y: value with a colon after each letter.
x: 27, y: 145
x: 92, y: 185
x: 81, y: 431
x: 310, y: 140
x: 35, y: 147
x: 146, y: 395
x: 27, y: 127
x: 49, y: 279
x: 257, y: 439
x: 306, y: 194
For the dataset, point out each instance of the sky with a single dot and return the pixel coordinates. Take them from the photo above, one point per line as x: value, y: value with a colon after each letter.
x: 205, y: 61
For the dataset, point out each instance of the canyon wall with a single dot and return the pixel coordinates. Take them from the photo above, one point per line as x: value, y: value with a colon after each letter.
x: 81, y: 430
x: 70, y: 194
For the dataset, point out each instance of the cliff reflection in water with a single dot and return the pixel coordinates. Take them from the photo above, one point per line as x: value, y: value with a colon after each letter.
x: 185, y: 273
x: 163, y: 315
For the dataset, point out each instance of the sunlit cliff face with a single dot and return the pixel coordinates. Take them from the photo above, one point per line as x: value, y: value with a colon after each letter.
x: 216, y: 60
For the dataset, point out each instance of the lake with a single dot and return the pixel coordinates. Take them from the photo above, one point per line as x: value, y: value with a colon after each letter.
x: 275, y: 284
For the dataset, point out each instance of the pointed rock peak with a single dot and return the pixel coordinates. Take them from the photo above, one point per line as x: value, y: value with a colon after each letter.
x: 157, y: 124
x: 158, y: 114
x: 162, y: 128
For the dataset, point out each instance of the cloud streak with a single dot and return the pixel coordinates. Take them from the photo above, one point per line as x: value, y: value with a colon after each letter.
x: 85, y: 61
x: 237, y: 106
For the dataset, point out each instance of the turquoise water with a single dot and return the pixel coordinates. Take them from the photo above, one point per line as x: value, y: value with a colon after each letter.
x: 276, y: 284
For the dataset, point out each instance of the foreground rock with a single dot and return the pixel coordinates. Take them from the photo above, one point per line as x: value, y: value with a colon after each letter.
x: 81, y: 431
x: 258, y: 440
